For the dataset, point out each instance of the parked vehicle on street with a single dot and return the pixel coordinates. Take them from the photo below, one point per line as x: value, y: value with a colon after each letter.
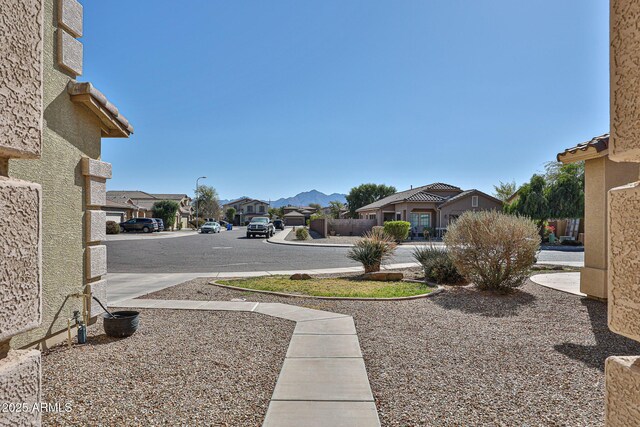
x: 160, y: 224
x: 260, y: 226
x: 146, y: 225
x: 279, y: 224
x: 210, y: 227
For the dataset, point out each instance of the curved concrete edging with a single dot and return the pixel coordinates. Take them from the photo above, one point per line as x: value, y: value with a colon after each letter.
x: 323, y: 380
x: 284, y: 294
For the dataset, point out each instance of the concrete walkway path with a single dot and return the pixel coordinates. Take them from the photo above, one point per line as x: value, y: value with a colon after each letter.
x: 323, y: 381
x: 565, y: 282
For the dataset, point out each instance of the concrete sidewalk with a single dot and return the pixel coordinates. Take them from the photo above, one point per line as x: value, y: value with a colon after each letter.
x: 124, y: 286
x: 564, y: 282
x: 323, y: 381
x: 280, y: 239
x: 149, y: 236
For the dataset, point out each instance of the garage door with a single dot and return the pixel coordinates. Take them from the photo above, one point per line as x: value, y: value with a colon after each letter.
x: 115, y: 216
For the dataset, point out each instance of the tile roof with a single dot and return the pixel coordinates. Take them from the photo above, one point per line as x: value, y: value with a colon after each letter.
x: 425, y: 197
x: 170, y: 196
x: 129, y: 194
x: 599, y: 144
x: 115, y: 204
x: 95, y: 100
x: 467, y: 193
x: 405, y: 195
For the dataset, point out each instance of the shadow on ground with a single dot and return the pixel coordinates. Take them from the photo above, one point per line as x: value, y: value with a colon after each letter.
x: 607, y: 342
x: 484, y: 303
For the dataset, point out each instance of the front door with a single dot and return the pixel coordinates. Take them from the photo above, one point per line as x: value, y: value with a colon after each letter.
x: 420, y: 221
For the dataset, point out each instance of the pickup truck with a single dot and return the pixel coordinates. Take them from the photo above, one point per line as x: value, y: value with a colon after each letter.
x: 260, y: 226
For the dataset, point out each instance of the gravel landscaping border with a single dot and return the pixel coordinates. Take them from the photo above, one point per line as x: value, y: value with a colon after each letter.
x: 467, y: 357
x: 284, y: 294
x: 182, y: 367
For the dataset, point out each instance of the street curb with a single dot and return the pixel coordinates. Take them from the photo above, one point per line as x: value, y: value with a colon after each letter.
x: 438, y: 290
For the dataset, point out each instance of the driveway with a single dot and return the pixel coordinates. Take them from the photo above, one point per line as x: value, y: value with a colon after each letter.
x: 231, y: 251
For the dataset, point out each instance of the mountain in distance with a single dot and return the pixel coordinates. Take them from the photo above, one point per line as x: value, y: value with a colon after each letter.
x: 308, y: 197
x: 303, y: 199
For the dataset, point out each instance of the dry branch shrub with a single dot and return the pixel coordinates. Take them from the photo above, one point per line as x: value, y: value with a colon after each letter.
x: 492, y: 249
x: 302, y: 234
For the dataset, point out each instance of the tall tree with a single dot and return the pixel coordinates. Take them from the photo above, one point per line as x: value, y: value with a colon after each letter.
x: 230, y: 214
x: 207, y: 202
x: 276, y: 212
x: 532, y: 201
x: 504, y: 190
x: 336, y: 206
x: 166, y: 210
x: 316, y: 206
x: 365, y: 194
x: 565, y: 190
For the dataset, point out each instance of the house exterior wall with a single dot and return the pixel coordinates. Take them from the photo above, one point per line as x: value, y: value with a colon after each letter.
x: 71, y: 133
x: 622, y: 374
x: 601, y: 175
x: 458, y: 207
x: 21, y: 91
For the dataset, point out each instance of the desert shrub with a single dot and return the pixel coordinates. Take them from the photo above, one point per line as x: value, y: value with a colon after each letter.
x: 492, y: 249
x: 179, y: 225
x: 437, y: 265
x: 302, y: 234
x: 113, y: 227
x: 196, y: 223
x: 375, y: 247
x: 399, y: 230
x: 377, y: 229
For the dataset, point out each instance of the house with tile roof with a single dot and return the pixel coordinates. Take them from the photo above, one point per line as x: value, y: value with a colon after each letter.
x: 433, y: 206
x: 139, y: 204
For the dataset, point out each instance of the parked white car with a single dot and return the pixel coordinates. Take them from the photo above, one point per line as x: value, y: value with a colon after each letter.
x: 210, y: 227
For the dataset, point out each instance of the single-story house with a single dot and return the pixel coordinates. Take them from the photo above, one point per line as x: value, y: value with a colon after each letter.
x: 432, y: 206
x: 295, y: 218
x: 142, y: 205
x: 246, y: 208
x: 600, y: 175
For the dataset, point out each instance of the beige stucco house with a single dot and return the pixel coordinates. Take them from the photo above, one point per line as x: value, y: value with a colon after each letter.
x: 432, y: 206
x: 246, y: 208
x: 601, y: 175
x: 52, y: 189
x: 139, y: 204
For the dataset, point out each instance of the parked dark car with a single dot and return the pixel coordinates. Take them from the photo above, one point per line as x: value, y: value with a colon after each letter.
x: 146, y: 225
x: 160, y: 224
x: 260, y: 226
x: 279, y: 224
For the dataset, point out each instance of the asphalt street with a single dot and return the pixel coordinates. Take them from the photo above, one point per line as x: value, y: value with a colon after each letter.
x: 231, y: 251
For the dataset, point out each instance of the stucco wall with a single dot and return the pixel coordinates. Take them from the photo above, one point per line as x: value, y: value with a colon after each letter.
x: 70, y: 133
x: 21, y: 77
x: 463, y: 205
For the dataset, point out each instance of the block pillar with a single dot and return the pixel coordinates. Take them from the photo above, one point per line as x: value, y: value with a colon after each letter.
x: 21, y: 109
x: 601, y: 175
x: 623, y: 373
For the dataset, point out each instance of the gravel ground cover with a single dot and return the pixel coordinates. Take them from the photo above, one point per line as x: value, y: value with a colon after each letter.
x: 180, y: 368
x: 471, y: 358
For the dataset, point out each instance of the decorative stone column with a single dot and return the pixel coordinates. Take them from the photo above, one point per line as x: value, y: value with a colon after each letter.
x: 623, y: 373
x: 21, y: 86
x: 96, y: 173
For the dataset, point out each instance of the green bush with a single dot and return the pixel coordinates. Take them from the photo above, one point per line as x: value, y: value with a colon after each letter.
x: 437, y: 265
x: 493, y: 250
x: 302, y: 234
x: 166, y: 210
x: 113, y: 227
x: 398, y: 230
x: 372, y: 249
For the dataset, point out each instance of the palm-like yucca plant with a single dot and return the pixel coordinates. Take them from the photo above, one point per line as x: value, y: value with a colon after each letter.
x: 372, y: 249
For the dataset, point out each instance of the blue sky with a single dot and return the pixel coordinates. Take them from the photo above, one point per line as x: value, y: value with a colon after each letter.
x: 271, y: 98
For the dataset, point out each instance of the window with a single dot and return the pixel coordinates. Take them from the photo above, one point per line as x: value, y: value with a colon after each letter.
x: 261, y: 209
x: 474, y: 201
x: 398, y: 216
x: 249, y: 209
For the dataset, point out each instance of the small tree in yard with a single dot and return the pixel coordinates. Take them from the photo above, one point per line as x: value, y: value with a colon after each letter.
x: 166, y: 210
x: 493, y: 250
x: 302, y: 234
x: 230, y: 214
x: 375, y: 247
x: 437, y: 265
x: 398, y: 230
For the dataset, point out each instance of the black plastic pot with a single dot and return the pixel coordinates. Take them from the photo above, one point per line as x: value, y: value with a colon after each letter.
x: 123, y: 324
